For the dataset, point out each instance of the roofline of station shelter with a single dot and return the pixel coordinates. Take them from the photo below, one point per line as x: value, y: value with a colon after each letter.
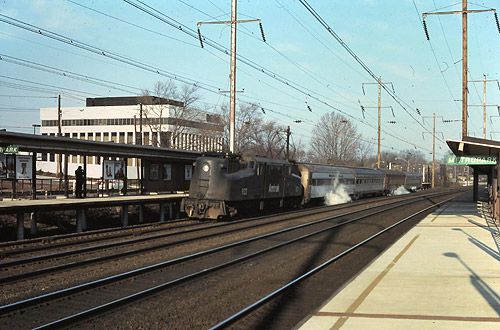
x: 71, y: 146
x: 472, y: 146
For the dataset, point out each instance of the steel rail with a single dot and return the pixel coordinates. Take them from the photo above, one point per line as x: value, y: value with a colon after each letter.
x: 51, y: 269
x: 93, y: 236
x: 117, y: 244
x: 149, y: 291
x: 141, y: 270
x: 216, y: 225
x: 247, y: 310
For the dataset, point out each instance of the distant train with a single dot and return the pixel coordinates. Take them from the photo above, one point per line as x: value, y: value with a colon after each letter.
x: 222, y: 186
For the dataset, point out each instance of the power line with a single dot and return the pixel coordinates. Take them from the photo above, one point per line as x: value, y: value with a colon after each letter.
x: 103, y: 52
x: 358, y: 59
x: 132, y: 24
x: 314, y: 35
x: 151, y: 11
x: 58, y: 88
x: 65, y: 73
x: 309, y: 73
x: 194, y: 34
x: 146, y: 67
x: 28, y: 96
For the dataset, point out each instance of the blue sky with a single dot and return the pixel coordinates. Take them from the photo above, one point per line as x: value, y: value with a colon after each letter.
x: 386, y: 35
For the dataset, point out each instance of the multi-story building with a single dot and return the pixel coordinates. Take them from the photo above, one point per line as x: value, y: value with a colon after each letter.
x: 165, y: 123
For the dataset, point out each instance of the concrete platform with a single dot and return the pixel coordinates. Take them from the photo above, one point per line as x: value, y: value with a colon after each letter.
x: 443, y: 274
x: 23, y: 207
x: 29, y: 205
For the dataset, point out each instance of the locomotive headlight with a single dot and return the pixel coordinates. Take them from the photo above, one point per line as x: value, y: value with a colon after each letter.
x: 205, y: 167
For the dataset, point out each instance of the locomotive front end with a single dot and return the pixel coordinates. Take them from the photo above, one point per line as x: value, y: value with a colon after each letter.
x: 207, y: 190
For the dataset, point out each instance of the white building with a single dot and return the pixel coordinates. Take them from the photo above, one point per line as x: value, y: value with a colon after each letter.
x: 117, y: 120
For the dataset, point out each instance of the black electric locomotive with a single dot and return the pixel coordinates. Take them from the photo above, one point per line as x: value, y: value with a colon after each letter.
x: 224, y: 185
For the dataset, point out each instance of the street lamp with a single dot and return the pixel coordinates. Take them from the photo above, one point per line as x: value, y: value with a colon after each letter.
x: 34, y: 127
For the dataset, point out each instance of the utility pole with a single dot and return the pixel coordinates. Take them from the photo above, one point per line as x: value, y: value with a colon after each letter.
x: 464, y: 13
x: 433, y: 150
x: 379, y: 115
x: 232, y: 78
x: 465, y: 92
x: 288, y: 143
x: 379, y: 109
x: 59, y: 133
x: 140, y: 124
x: 232, y: 75
x: 484, y: 105
x: 139, y: 165
x: 433, y: 184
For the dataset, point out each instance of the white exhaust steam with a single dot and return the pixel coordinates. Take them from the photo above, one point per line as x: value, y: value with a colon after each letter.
x: 400, y: 191
x: 338, y: 195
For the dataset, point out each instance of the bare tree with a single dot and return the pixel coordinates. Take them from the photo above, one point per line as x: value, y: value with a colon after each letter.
x: 365, y: 154
x: 297, y: 150
x: 337, y: 140
x: 269, y: 140
x: 248, y: 122
x: 178, y: 116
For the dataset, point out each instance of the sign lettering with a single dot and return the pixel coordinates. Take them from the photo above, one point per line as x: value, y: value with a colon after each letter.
x: 12, y: 149
x: 472, y: 160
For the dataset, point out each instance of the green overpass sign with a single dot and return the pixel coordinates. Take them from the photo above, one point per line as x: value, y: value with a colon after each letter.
x: 472, y: 160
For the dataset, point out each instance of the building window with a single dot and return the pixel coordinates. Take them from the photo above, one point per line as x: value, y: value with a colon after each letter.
x: 121, y: 137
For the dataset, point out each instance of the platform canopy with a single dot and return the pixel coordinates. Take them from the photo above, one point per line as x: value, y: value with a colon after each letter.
x: 66, y: 145
x: 481, y: 154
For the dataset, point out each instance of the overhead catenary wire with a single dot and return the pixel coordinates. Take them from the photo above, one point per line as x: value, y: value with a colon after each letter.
x: 305, y: 91
x: 84, y: 46
x: 154, y: 70
x: 318, y: 17
x: 68, y: 74
x: 103, y: 52
x: 56, y: 88
x: 346, y: 113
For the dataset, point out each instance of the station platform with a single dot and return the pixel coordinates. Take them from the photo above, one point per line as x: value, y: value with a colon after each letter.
x: 443, y: 274
x: 28, y: 205
x: 168, y: 206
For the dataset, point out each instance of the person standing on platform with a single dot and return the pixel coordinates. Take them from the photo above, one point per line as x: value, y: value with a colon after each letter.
x: 79, y: 176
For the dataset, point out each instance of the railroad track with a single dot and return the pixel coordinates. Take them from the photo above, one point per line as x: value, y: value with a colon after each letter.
x: 32, y: 266
x: 18, y: 248
x: 72, y: 304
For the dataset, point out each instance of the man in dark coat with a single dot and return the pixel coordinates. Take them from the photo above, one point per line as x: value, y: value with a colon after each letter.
x: 79, y: 176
